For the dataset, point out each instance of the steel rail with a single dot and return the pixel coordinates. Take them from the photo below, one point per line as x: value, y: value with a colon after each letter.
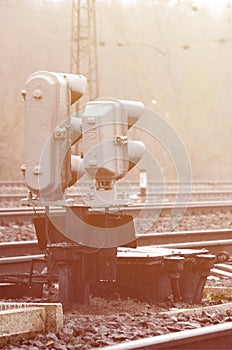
x: 21, y: 264
x: 19, y: 248
x: 206, y: 338
x: 200, y: 238
x: 157, y: 183
x: 218, y: 242
x: 211, y: 193
x: 169, y: 188
x: 19, y: 257
x: 174, y: 239
x: 215, y: 241
x: 28, y: 213
x: 20, y: 215
x: 184, y: 237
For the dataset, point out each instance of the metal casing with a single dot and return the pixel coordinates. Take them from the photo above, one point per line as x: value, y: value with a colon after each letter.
x: 47, y: 139
x: 105, y: 143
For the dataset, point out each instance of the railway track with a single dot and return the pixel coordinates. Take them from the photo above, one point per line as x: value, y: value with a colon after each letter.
x: 170, y: 184
x: 11, y: 193
x: 210, y: 337
x: 152, y: 195
x: 29, y: 250
x: 218, y: 242
x: 26, y: 214
x: 24, y: 261
x: 19, y: 215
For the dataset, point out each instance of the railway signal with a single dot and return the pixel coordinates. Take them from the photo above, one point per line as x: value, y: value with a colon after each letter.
x: 48, y: 97
x: 108, y: 152
x: 81, y: 241
x: 108, y: 155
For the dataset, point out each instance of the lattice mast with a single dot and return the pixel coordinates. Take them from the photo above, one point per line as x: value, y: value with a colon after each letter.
x: 84, y: 44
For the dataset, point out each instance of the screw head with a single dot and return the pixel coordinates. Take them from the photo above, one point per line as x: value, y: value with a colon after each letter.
x: 37, y: 94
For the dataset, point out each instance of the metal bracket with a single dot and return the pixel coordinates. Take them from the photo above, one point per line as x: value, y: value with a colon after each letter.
x: 120, y: 140
x: 60, y: 133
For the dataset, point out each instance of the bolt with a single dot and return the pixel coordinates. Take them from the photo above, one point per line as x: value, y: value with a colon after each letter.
x: 37, y: 94
x: 23, y: 169
x: 24, y: 93
x: 36, y: 170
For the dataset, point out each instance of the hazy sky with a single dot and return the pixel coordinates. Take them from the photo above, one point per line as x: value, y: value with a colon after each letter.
x: 174, y: 56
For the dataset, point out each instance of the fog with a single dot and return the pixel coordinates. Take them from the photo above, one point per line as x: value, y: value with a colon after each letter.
x: 174, y: 56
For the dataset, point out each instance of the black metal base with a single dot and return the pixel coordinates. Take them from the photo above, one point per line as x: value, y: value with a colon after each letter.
x: 158, y: 275
x: 78, y: 267
x: 147, y: 273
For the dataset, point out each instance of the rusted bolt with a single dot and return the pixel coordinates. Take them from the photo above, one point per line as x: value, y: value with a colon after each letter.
x: 222, y: 257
